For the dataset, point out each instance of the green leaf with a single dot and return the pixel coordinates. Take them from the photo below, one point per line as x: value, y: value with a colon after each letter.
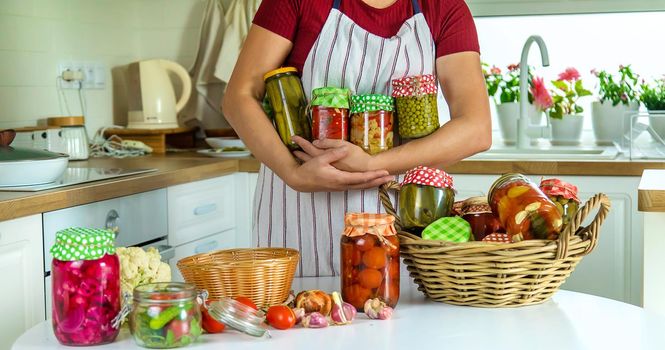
x: 561, y: 85
x: 170, y: 337
x: 578, y: 109
x: 195, y: 328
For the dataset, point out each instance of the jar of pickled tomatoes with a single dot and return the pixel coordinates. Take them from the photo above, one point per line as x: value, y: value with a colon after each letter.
x: 370, y: 259
x: 330, y: 113
x: 523, y: 209
x: 86, y: 287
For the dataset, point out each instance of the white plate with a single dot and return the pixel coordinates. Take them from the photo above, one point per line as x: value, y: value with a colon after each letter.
x: 221, y: 142
x: 219, y: 154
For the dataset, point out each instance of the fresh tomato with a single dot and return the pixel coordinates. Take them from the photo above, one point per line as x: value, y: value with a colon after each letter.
x: 281, y: 317
x: 210, y: 324
x: 247, y: 301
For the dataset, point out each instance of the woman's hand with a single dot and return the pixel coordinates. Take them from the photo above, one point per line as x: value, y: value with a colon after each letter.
x: 355, y: 160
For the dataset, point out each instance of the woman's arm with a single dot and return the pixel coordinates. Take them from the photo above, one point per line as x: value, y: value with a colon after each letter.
x: 264, y: 51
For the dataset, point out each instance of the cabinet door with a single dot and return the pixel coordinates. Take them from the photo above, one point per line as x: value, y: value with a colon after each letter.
x: 223, y: 240
x: 22, y: 300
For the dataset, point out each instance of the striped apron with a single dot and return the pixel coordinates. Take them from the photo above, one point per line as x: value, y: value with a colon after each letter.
x: 344, y: 55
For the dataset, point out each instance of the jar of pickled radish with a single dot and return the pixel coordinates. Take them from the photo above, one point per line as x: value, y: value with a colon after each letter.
x: 372, y: 122
x: 85, y: 276
x: 370, y: 259
x: 523, y: 209
x: 426, y: 195
x: 288, y: 103
x: 477, y: 212
x: 564, y: 196
x: 415, y: 99
x: 330, y: 113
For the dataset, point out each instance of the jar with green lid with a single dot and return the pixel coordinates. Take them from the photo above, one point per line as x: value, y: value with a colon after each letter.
x: 415, y: 100
x: 564, y: 196
x: 372, y: 122
x: 287, y: 100
x: 426, y: 195
x: 330, y: 113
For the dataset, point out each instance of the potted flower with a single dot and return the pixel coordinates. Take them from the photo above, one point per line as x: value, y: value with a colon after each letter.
x: 565, y: 113
x: 654, y: 100
x: 507, y: 87
x: 617, y: 98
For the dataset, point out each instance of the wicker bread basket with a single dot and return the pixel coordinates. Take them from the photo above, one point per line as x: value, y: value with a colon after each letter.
x: 262, y: 274
x: 493, y: 274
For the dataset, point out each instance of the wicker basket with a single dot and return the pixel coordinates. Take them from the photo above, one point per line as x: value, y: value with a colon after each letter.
x: 498, y: 275
x: 262, y: 274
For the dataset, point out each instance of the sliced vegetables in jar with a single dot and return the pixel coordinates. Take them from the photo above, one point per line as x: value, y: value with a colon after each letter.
x: 427, y: 195
x: 330, y: 113
x: 288, y: 103
x: 416, y: 105
x: 372, y: 122
x: 564, y: 196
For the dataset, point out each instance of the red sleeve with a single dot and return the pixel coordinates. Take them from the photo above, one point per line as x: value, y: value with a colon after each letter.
x: 454, y: 29
x: 279, y: 16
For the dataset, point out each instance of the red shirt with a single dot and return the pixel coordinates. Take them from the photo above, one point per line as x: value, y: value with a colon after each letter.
x: 301, y: 21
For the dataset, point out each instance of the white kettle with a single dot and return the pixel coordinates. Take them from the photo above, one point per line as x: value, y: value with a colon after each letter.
x: 151, y: 97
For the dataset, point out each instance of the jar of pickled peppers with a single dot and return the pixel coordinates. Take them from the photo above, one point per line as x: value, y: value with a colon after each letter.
x: 416, y: 105
x: 330, y: 113
x: 369, y: 259
x: 564, y: 196
x: 477, y: 212
x: 287, y: 100
x: 523, y: 209
x: 426, y: 195
x: 372, y: 122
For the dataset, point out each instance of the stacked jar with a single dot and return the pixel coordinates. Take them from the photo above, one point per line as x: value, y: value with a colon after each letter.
x: 330, y: 113
x: 86, y: 287
x: 426, y: 195
x: 370, y: 259
x: 564, y: 196
x: 372, y: 122
x: 288, y: 105
x: 416, y: 104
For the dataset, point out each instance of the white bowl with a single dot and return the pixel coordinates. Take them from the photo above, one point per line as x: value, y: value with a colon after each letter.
x: 222, y: 142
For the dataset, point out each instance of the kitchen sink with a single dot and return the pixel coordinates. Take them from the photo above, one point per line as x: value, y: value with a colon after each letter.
x: 552, y: 153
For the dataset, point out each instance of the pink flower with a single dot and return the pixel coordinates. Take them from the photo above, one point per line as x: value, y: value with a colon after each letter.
x: 541, y: 97
x: 513, y: 67
x: 570, y: 74
x: 495, y: 70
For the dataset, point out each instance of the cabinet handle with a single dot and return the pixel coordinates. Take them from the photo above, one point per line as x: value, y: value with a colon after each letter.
x: 206, y: 247
x: 113, y: 221
x: 205, y: 209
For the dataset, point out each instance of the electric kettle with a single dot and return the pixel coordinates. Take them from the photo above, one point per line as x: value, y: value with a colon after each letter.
x: 151, y: 97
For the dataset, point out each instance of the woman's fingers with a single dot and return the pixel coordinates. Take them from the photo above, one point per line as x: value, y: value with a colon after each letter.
x: 307, y: 146
x: 329, y: 143
x: 374, y: 183
x: 302, y: 155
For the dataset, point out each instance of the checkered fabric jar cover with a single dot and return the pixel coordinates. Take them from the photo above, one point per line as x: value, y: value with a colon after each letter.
x: 358, y: 224
x: 82, y: 244
x: 450, y: 228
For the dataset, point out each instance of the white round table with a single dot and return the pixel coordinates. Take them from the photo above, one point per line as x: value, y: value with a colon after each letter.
x: 568, y: 321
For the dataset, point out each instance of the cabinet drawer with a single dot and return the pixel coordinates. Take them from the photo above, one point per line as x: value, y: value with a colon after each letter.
x: 200, y: 209
x: 224, y: 240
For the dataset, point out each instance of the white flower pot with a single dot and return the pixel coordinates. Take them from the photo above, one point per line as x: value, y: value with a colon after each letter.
x: 567, y: 131
x: 610, y: 123
x: 508, y: 113
x: 657, y: 122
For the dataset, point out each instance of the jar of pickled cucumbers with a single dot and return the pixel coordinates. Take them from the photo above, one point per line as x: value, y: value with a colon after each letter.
x: 426, y: 195
x: 564, y: 196
x: 369, y: 259
x: 372, y: 122
x: 287, y: 100
x: 417, y: 111
x: 523, y: 209
x: 477, y: 212
x: 330, y: 113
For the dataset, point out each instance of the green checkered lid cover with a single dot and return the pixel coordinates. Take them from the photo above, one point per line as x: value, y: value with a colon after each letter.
x: 450, y: 228
x: 371, y: 103
x: 331, y: 97
x: 83, y: 244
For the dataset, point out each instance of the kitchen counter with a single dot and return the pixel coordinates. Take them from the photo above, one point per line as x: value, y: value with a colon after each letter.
x: 651, y: 193
x: 568, y: 321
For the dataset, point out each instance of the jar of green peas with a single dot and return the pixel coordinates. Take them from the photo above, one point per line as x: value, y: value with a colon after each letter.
x: 415, y: 102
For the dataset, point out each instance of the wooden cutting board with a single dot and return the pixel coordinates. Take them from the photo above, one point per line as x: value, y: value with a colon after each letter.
x: 158, y: 139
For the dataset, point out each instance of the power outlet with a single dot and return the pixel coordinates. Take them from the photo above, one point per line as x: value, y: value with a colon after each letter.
x: 94, y: 75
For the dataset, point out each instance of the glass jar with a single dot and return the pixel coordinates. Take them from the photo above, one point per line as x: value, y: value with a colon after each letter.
x: 477, y: 212
x: 415, y: 99
x: 523, y: 209
x: 289, y: 105
x: 238, y: 316
x: 330, y: 113
x: 165, y: 315
x: 564, y: 196
x: 370, y: 259
x: 426, y: 195
x: 85, y: 277
x: 372, y: 122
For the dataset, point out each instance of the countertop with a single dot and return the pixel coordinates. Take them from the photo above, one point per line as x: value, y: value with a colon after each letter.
x: 651, y: 192
x: 568, y: 321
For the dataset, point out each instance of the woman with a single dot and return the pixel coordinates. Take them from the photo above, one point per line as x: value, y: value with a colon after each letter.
x: 361, y: 45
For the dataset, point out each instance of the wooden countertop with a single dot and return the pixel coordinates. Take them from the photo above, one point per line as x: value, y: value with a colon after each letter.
x: 651, y: 192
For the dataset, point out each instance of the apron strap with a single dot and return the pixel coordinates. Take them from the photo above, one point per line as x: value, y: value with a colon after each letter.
x: 416, y: 7
x: 336, y: 4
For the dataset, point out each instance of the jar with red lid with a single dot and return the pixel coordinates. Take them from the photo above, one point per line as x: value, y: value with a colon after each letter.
x: 523, y: 209
x: 564, y: 196
x: 426, y: 195
x: 369, y: 259
x: 330, y: 113
x: 415, y: 99
x: 477, y: 212
x: 372, y: 122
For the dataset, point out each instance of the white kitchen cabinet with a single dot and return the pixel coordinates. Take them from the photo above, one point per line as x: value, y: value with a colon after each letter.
x: 22, y: 301
x: 245, y: 185
x: 614, y: 268
x: 223, y: 240
x: 481, y: 8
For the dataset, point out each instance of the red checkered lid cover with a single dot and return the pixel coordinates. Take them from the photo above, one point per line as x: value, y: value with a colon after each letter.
x: 422, y: 175
x: 556, y: 187
x: 497, y: 237
x: 414, y: 86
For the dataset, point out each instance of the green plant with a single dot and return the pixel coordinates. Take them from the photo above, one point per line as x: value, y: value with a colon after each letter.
x: 565, y: 97
x: 654, y: 97
x: 623, y: 90
x: 507, y: 85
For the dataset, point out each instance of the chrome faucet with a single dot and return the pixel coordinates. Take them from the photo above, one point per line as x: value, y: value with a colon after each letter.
x: 526, y: 131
